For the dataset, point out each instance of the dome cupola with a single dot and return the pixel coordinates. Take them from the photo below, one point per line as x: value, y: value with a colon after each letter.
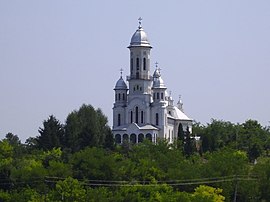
x: 120, y: 84
x: 157, y: 80
x: 139, y: 38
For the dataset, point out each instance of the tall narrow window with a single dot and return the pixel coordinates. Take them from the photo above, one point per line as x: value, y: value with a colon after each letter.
x: 119, y: 96
x: 119, y: 119
x: 137, y: 63
x: 144, y: 64
x: 131, y: 117
x: 131, y: 64
x: 157, y: 119
x: 141, y: 116
x: 124, y: 97
x: 158, y: 96
x: 161, y: 94
x: 154, y: 96
x: 137, y: 115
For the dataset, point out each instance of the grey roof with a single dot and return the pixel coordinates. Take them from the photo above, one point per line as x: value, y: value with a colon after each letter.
x: 121, y: 84
x: 178, y: 114
x: 139, y: 38
x: 157, y: 80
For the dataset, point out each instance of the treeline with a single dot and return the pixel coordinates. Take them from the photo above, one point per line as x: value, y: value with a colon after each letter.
x: 79, y: 161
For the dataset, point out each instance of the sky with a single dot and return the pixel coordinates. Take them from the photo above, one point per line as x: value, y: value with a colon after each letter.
x: 57, y: 55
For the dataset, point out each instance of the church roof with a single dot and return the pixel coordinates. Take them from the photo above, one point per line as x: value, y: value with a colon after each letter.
x: 139, y: 38
x: 121, y: 84
x: 178, y: 114
x: 135, y: 126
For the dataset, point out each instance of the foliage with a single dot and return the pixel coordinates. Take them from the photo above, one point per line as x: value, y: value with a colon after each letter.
x: 78, y: 161
x: 70, y: 190
x: 51, y: 135
x: 208, y: 194
x: 86, y: 127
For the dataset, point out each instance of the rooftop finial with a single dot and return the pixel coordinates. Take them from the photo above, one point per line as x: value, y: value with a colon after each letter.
x: 140, y: 22
x: 156, y: 63
x: 121, y: 71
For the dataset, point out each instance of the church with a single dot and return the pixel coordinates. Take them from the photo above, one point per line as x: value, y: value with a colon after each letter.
x: 143, y: 108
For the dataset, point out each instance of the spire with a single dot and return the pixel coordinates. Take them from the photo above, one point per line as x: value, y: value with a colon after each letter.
x: 121, y: 72
x: 180, y: 104
x: 157, y: 71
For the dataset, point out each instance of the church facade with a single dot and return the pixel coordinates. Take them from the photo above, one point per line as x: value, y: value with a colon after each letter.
x: 143, y: 108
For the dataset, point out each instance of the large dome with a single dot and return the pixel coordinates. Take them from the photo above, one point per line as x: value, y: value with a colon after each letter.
x: 120, y: 84
x: 139, y: 38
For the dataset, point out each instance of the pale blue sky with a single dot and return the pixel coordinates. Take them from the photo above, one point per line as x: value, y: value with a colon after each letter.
x: 57, y: 55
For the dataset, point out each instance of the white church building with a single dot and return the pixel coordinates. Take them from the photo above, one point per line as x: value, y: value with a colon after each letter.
x: 143, y: 108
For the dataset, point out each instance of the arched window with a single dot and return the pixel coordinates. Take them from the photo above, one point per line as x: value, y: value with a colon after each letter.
x: 138, y: 63
x: 125, y: 138
x: 118, y: 139
x: 131, y: 64
x: 119, y: 120
x: 137, y: 115
x: 140, y: 138
x: 119, y: 96
x: 157, y: 119
x: 131, y: 117
x: 133, y: 138
x: 141, y: 116
x: 149, y: 137
x: 144, y: 64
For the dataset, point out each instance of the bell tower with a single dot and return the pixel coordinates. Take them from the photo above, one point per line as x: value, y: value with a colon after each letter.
x: 139, y: 79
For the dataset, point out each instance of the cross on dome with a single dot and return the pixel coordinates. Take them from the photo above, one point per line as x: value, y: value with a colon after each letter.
x: 157, y: 68
x: 140, y: 22
x: 121, y: 71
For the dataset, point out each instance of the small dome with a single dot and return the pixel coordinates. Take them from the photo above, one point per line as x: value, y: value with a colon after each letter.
x: 158, y: 81
x: 121, y: 84
x: 139, y: 38
x: 156, y: 74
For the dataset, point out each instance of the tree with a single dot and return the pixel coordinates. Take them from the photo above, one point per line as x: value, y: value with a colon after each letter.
x: 189, y: 145
x: 6, y: 160
x: 252, y: 139
x: 13, y: 139
x: 208, y: 194
x: 69, y: 190
x: 51, y: 135
x: 262, y: 170
x: 86, y: 127
x: 93, y: 163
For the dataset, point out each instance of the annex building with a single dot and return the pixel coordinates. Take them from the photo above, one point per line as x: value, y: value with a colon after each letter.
x: 142, y: 107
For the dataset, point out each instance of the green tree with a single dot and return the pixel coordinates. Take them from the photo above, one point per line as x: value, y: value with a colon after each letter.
x: 189, y: 143
x: 51, y: 135
x: 6, y: 161
x: 86, y: 127
x: 69, y: 190
x: 262, y: 170
x: 93, y: 163
x: 207, y: 194
x: 252, y: 138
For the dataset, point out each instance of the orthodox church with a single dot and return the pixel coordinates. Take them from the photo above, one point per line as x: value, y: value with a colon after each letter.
x: 143, y: 108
